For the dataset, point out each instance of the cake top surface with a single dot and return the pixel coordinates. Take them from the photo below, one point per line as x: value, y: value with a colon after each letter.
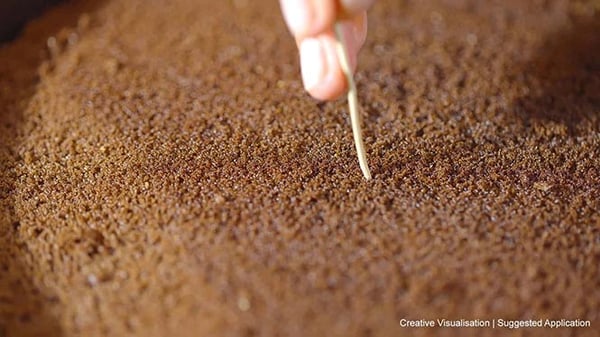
x: 164, y: 173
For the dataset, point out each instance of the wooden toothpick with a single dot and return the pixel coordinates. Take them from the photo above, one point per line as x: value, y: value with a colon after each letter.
x: 342, y: 51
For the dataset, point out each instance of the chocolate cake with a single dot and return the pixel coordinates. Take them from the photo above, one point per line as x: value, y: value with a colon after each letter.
x: 163, y: 172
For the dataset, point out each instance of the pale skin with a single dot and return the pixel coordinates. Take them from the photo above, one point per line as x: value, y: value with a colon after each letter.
x: 311, y: 22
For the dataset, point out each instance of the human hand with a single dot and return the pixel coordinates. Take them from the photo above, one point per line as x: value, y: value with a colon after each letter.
x: 311, y: 22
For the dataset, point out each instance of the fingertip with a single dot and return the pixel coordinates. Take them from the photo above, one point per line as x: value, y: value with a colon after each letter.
x: 354, y: 34
x: 329, y: 90
x: 333, y: 82
x: 313, y: 62
x: 360, y: 23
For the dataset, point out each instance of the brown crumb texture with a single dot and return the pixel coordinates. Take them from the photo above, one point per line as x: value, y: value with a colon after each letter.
x: 163, y: 173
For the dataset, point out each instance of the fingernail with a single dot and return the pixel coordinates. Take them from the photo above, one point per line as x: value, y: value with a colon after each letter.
x: 298, y: 14
x: 313, y: 62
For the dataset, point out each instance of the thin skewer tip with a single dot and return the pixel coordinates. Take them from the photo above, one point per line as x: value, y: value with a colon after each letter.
x: 342, y: 51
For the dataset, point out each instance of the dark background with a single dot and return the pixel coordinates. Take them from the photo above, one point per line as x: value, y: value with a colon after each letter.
x: 15, y: 13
